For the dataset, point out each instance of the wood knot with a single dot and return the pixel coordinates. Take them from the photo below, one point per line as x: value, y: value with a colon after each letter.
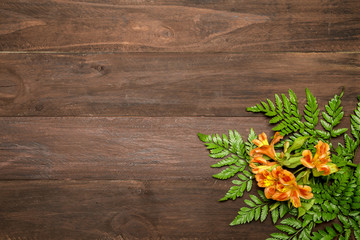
x: 39, y: 107
x: 10, y: 85
x: 101, y: 69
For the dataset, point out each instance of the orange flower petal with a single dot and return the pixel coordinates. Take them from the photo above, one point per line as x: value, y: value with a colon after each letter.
x: 277, y: 171
x: 305, y: 192
x: 262, y: 137
x: 269, y: 191
x: 287, y: 178
x: 307, y: 159
x: 325, y: 168
x: 262, y: 141
x: 267, y: 150
x: 260, y: 160
x: 277, y: 138
x: 257, y: 142
x: 281, y: 196
x: 295, y: 198
x: 322, y: 148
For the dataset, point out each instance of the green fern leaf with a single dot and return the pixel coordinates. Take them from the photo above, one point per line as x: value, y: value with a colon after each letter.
x: 332, y: 117
x: 228, y: 172
x: 264, y: 212
x: 297, y: 224
x: 255, y: 199
x: 229, y: 161
x: 280, y: 236
x: 285, y: 114
x: 285, y: 228
x: 234, y: 192
x: 283, y: 209
x: 275, y: 215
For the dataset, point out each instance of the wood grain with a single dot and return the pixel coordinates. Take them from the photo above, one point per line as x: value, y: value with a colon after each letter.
x: 111, y: 148
x: 137, y: 148
x: 179, y: 26
x: 121, y: 210
x: 168, y: 84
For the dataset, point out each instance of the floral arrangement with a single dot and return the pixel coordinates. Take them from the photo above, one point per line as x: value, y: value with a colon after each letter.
x: 305, y: 177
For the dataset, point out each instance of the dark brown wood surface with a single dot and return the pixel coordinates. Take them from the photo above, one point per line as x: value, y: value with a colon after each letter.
x: 169, y: 84
x: 178, y: 26
x: 101, y: 101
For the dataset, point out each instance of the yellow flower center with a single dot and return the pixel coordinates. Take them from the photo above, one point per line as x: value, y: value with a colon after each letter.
x: 264, y: 143
x: 285, y: 188
x: 269, y: 181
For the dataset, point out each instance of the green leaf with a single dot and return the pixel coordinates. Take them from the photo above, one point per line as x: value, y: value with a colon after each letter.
x: 249, y: 185
x: 338, y: 132
x: 279, y: 103
x: 229, y: 161
x: 338, y: 227
x: 285, y: 114
x: 283, y: 209
x: 297, y: 224
x: 301, y: 211
x: 249, y: 203
x: 255, y: 199
x: 326, y: 125
x: 262, y: 195
x: 279, y: 236
x: 242, y: 177
x: 275, y: 119
x: 285, y: 228
x: 293, y: 97
x: 257, y: 213
x: 248, y: 174
x: 286, y: 102
x: 234, y: 192
x: 298, y: 143
x: 323, y: 134
x: 204, y: 137
x: 264, y: 212
x: 228, y: 172
x: 275, y: 215
x: 245, y: 215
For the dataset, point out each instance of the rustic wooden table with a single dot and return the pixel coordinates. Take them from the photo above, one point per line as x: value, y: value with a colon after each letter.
x: 101, y: 101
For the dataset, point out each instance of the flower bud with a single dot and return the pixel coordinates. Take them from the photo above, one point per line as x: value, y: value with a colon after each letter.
x: 286, y: 146
x: 298, y: 143
x: 292, y: 162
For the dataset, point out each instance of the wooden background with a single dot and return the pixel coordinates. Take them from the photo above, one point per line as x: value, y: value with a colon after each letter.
x: 101, y: 101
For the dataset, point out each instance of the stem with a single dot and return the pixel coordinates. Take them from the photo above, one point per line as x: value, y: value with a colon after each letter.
x: 351, y: 164
x: 301, y: 229
x: 299, y: 170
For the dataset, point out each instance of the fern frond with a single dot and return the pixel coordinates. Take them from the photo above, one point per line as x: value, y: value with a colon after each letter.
x: 244, y: 182
x: 285, y: 114
x: 292, y: 228
x: 257, y: 210
x: 330, y: 232
x: 311, y: 112
x: 332, y: 117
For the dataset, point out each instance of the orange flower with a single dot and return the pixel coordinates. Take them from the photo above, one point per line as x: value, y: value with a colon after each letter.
x: 268, y: 180
x: 258, y: 164
x: 293, y: 193
x: 281, y: 185
x: 264, y: 147
x: 320, y: 160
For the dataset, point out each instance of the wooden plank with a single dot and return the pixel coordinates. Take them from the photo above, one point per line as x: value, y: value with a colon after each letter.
x: 169, y: 84
x: 137, y: 148
x: 157, y: 26
x: 111, y: 148
x: 121, y: 210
